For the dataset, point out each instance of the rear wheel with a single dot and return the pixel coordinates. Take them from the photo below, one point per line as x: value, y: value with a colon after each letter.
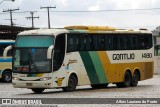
x: 72, y: 84
x: 135, y: 79
x: 7, y: 76
x: 99, y: 86
x: 38, y: 90
x: 127, y: 81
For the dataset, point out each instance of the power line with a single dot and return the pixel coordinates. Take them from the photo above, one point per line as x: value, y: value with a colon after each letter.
x: 114, y: 10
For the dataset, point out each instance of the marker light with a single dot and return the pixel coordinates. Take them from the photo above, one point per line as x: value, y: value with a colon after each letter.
x: 45, y: 78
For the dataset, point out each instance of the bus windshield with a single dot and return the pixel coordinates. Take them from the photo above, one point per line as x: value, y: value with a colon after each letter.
x: 30, y: 54
x: 31, y: 60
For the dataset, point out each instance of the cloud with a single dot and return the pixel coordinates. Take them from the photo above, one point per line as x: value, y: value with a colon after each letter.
x: 63, y: 3
x: 93, y: 8
x: 132, y: 4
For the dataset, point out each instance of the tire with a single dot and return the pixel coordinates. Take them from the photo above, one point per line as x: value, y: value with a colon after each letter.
x: 135, y: 79
x: 72, y: 84
x: 127, y: 81
x: 38, y: 90
x: 7, y: 76
x: 99, y: 86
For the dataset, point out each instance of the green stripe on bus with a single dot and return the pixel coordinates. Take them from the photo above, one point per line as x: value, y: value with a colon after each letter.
x: 98, y: 67
x: 89, y: 67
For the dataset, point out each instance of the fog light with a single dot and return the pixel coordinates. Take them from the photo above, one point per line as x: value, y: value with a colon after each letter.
x: 45, y: 78
x: 15, y: 78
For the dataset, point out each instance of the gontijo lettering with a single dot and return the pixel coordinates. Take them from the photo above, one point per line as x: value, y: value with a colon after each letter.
x: 124, y: 56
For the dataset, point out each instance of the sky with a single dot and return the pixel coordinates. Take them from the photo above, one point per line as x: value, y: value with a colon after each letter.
x: 86, y: 12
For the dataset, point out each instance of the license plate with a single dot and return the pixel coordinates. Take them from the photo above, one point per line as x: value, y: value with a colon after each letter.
x: 28, y: 84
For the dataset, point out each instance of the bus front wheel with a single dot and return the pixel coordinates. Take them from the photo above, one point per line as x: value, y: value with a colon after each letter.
x: 38, y: 90
x: 72, y: 84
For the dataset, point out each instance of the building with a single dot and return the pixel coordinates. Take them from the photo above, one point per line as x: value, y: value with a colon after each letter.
x: 8, y: 32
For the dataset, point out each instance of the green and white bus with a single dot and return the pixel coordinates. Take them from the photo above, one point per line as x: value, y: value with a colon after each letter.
x: 81, y: 55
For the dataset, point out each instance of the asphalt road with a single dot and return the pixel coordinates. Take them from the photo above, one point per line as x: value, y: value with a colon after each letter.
x: 146, y: 89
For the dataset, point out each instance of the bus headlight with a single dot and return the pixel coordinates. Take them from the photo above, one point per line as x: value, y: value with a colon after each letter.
x: 15, y: 78
x: 45, y: 78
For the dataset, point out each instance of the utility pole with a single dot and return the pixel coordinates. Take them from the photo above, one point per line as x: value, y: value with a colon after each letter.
x: 48, y: 8
x: 32, y: 17
x: 10, y: 11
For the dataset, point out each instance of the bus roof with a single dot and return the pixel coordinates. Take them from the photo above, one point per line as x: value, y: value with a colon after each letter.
x: 100, y: 28
x: 43, y: 32
x: 81, y: 29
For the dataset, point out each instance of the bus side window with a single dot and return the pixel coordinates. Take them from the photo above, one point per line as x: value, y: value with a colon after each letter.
x: 83, y: 42
x: 81, y: 45
x: 134, y: 42
x: 73, y: 43
x: 148, y: 41
x: 95, y: 45
x: 115, y: 43
x: 78, y: 42
x: 142, y: 42
x: 101, y: 42
x: 106, y: 42
x: 109, y: 42
x: 88, y: 41
x: 145, y: 41
x: 127, y: 43
x: 2, y: 47
x: 120, y: 43
x: 70, y: 44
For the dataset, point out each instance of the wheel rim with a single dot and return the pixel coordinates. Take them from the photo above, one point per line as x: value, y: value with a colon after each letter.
x: 7, y: 77
x: 71, y: 83
x: 136, y: 77
x: 128, y: 79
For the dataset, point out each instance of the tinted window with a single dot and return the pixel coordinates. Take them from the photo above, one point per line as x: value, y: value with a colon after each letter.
x: 3, y: 46
x: 103, y: 42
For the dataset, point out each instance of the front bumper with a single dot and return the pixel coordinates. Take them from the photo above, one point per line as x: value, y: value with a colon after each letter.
x: 32, y: 84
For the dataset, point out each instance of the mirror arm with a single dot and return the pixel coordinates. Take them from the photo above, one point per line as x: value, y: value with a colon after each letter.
x: 6, y: 51
x: 49, y: 52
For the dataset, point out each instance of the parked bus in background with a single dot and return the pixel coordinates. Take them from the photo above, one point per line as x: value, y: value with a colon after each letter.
x: 6, y: 64
x: 156, y: 54
x: 81, y: 55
